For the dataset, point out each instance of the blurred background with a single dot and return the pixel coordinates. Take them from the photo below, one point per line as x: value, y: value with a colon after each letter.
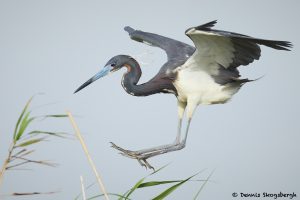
x: 54, y: 46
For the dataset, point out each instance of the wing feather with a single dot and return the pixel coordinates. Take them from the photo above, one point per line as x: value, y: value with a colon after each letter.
x: 174, y: 49
x: 177, y: 52
x: 227, y: 50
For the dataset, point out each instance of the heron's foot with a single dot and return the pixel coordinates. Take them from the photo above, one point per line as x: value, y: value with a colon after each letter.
x: 124, y: 152
x: 140, y: 157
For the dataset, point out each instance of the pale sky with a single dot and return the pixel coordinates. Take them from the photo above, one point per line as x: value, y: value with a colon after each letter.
x: 55, y: 46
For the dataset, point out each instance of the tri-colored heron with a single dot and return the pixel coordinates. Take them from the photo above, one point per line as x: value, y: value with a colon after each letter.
x: 204, y: 74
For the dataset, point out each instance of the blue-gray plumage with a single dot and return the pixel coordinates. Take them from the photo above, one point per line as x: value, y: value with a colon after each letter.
x: 204, y: 74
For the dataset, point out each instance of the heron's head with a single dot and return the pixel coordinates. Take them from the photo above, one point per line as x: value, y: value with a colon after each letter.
x: 113, y: 65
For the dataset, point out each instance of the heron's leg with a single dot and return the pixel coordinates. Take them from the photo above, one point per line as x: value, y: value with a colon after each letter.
x: 192, y: 105
x: 129, y: 153
x: 175, y: 147
x: 181, y: 108
x: 143, y: 155
x: 177, y: 139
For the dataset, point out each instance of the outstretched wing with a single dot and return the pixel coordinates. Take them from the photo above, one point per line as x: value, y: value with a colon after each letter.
x: 177, y: 52
x: 225, y: 51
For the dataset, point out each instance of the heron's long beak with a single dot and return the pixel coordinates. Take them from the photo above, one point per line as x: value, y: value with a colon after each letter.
x: 105, y: 71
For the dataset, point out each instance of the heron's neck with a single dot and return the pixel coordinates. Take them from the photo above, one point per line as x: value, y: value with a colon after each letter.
x: 131, y: 78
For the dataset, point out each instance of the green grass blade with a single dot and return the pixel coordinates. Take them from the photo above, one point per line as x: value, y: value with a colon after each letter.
x: 121, y: 198
x: 171, y: 189
x: 202, y: 186
x: 24, y: 124
x: 159, y: 169
x: 54, y: 116
x: 57, y: 134
x: 25, y: 153
x: 30, y: 142
x: 86, y: 188
x: 154, y: 183
x: 110, y: 194
x: 135, y: 187
x: 20, y: 118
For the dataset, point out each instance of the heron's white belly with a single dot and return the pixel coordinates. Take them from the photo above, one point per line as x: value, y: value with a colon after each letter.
x: 200, y: 88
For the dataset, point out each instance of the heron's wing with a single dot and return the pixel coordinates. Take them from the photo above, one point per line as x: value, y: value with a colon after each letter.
x: 225, y: 51
x: 177, y: 52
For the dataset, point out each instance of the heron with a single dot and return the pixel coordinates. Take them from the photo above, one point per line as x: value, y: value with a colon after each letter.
x: 206, y: 74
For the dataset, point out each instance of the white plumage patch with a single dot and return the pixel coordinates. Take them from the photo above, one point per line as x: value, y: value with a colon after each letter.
x: 194, y: 84
x: 199, y: 87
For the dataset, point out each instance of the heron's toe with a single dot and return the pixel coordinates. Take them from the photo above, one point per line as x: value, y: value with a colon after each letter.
x: 140, y: 157
x: 148, y: 165
x: 125, y: 152
x: 141, y: 163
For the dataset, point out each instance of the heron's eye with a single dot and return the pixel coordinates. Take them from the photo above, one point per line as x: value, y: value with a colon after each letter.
x: 113, y: 65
